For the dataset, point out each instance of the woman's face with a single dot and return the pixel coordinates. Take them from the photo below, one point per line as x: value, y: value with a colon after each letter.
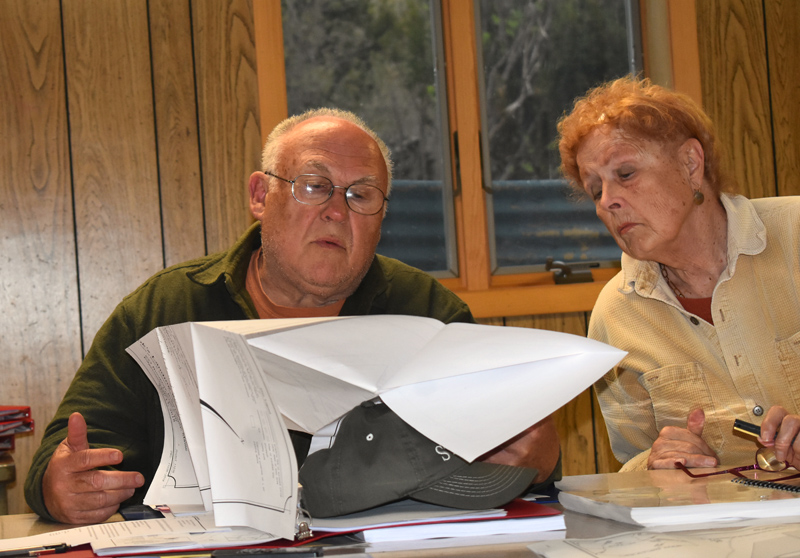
x: 642, y: 189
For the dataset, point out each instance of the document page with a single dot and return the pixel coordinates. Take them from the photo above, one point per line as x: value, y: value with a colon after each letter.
x: 251, y: 459
x: 147, y: 535
x: 175, y: 482
x: 436, y: 377
x: 763, y: 541
x: 221, y: 428
x: 319, y: 372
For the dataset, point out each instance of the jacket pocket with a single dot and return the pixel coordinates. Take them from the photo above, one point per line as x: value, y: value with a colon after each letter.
x: 678, y: 389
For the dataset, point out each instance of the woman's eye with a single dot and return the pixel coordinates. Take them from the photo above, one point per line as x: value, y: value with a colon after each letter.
x: 594, y: 192
x: 625, y: 173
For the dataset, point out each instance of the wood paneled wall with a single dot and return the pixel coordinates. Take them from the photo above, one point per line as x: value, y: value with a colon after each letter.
x: 128, y: 129
x: 750, y: 71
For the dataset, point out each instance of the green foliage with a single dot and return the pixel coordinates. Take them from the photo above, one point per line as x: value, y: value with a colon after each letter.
x: 375, y: 57
x: 372, y: 57
x: 538, y: 56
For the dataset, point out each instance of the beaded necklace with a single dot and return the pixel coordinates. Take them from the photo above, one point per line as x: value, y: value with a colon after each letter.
x: 672, y: 286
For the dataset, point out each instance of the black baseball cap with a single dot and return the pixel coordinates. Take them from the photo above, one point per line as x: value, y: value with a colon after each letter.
x: 377, y: 458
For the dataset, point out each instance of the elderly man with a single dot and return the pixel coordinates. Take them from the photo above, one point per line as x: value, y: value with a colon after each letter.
x: 319, y: 203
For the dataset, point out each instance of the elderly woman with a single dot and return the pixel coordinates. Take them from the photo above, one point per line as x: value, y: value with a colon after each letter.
x: 707, y: 303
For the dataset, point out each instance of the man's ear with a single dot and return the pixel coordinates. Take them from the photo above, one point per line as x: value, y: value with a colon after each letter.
x: 258, y: 193
x: 693, y: 156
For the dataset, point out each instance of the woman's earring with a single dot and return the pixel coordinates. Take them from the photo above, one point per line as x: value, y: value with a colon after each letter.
x: 698, y: 198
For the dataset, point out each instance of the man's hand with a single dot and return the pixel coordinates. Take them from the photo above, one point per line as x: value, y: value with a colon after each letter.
x: 786, y: 443
x: 74, y: 490
x: 536, y: 447
x: 683, y: 445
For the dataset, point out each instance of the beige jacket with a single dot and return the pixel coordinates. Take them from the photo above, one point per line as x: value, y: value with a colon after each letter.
x: 748, y: 361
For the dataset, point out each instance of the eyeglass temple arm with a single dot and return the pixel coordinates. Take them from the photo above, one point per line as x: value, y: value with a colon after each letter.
x: 734, y: 471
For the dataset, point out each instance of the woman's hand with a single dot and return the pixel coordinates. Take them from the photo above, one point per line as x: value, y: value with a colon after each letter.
x: 779, y: 430
x: 682, y: 445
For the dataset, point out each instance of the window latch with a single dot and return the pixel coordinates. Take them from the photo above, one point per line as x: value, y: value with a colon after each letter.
x: 565, y: 275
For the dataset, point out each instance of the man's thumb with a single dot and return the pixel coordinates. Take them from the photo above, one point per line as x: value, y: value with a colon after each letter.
x: 77, y: 438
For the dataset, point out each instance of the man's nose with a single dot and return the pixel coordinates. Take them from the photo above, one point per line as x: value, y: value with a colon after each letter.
x: 336, y: 208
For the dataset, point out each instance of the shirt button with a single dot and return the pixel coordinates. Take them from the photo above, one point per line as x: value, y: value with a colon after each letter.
x: 694, y: 320
x: 758, y: 410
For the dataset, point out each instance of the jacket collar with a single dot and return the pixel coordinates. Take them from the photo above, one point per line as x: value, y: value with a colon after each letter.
x: 231, y: 264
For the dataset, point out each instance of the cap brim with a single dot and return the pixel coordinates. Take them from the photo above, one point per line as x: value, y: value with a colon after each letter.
x: 478, y: 486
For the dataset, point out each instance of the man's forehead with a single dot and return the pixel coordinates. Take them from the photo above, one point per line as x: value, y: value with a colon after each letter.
x: 329, y: 127
x: 320, y: 140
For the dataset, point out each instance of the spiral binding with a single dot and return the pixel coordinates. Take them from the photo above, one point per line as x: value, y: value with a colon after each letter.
x: 767, y: 484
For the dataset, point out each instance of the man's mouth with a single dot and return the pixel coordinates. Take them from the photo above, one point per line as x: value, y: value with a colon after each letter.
x: 328, y: 242
x: 624, y: 228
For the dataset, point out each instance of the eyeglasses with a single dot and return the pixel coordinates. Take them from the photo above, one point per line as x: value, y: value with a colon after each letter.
x: 765, y: 461
x: 313, y: 189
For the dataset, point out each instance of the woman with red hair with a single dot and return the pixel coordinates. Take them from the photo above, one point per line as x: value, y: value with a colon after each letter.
x: 707, y: 303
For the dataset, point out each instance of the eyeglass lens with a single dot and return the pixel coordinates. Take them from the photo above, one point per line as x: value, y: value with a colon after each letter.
x: 767, y: 461
x: 314, y: 190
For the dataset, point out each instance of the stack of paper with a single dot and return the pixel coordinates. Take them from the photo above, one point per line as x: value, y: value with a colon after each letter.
x: 761, y: 541
x: 410, y: 520
x: 670, y: 498
x: 146, y: 536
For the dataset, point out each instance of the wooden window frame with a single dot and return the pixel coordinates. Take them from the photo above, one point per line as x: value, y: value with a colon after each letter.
x: 488, y: 295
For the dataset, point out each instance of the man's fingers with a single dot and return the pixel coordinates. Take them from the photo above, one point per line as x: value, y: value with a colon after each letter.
x: 68, y: 461
x: 76, y: 448
x: 101, y: 457
x: 94, y: 481
x: 98, y: 481
x: 121, y: 480
x: 94, y: 507
x: 90, y: 517
x: 76, y: 489
x: 91, y: 496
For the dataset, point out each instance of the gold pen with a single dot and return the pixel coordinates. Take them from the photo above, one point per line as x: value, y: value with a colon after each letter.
x: 747, y: 427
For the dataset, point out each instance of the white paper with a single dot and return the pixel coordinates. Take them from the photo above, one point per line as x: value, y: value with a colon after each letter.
x: 147, y: 535
x: 767, y: 541
x: 236, y: 444
x: 251, y: 461
x: 398, y: 513
x: 466, y: 529
x: 437, y: 378
x: 668, y: 498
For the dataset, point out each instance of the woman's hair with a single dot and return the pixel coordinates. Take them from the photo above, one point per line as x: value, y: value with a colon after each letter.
x: 641, y: 110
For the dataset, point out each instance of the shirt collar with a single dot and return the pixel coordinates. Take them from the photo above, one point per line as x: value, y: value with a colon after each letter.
x: 232, y: 263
